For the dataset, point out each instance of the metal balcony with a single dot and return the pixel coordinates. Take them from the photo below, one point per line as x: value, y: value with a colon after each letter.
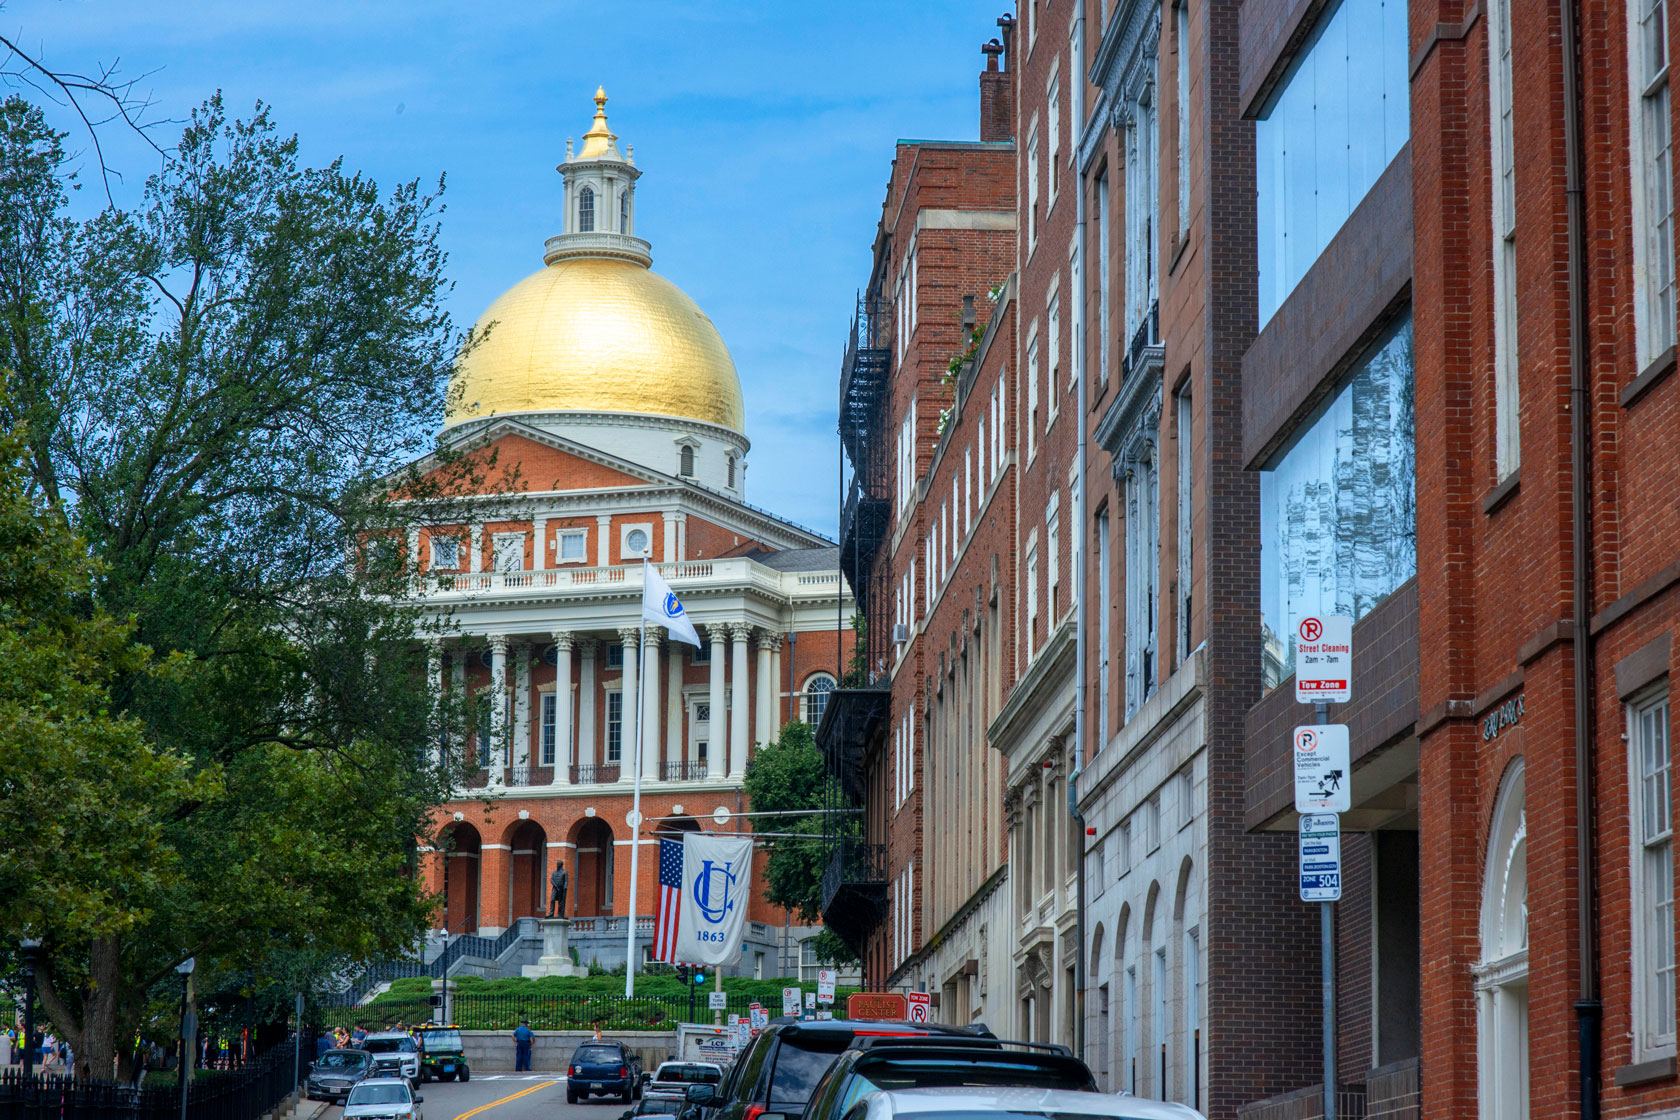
x: 854, y: 891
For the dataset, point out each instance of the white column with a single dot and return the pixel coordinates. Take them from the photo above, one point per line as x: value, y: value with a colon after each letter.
x: 682, y: 536
x: 539, y: 546
x: 520, y: 754
x: 458, y: 691
x: 739, y: 632
x: 588, y: 740
x: 669, y: 553
x: 562, y: 708
x: 603, y: 547
x: 629, y: 637
x: 650, y: 706
x: 717, y: 728
x: 414, y: 549
x: 498, y: 709
x: 434, y: 676
x: 674, y: 654
x: 475, y: 546
x: 764, y: 708
x: 777, y: 684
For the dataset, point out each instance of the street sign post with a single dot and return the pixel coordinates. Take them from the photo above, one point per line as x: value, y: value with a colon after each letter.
x: 717, y: 1001
x: 791, y: 1001
x: 1321, y: 857
x: 1324, y: 659
x: 810, y: 1002
x: 918, y: 1006
x: 825, y: 985
x: 1322, y: 769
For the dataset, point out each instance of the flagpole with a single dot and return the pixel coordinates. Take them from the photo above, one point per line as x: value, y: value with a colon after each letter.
x: 636, y: 804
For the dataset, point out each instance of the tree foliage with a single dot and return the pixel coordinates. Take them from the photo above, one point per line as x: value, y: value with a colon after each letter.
x: 788, y: 778
x: 217, y: 391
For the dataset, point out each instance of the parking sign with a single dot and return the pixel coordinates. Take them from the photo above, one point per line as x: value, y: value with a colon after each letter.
x: 1324, y: 659
x: 918, y: 1009
x: 1322, y: 769
x: 1321, y: 857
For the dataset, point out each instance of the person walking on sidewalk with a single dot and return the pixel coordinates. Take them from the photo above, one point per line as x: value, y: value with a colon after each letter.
x: 522, y: 1038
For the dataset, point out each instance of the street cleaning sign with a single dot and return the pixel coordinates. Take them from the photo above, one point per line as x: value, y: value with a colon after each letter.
x: 1324, y: 659
x: 1321, y: 857
x: 1322, y: 769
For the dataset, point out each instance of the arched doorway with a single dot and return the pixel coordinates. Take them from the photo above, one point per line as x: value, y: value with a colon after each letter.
x: 527, y: 870
x: 1502, y: 973
x: 462, y: 848
x: 592, y: 878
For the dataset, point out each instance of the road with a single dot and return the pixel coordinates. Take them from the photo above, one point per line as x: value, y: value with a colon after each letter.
x: 505, y: 1096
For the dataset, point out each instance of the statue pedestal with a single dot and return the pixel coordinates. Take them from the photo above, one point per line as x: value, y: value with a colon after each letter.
x: 556, y: 959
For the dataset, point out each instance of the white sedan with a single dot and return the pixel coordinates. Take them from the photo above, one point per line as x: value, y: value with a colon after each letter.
x: 1013, y: 1104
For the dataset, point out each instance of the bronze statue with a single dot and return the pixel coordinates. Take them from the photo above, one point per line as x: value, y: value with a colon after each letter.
x: 557, y: 892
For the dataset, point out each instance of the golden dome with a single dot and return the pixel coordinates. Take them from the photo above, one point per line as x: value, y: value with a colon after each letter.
x: 600, y: 335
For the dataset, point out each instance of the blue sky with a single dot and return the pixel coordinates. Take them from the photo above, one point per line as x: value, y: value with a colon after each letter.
x: 764, y: 131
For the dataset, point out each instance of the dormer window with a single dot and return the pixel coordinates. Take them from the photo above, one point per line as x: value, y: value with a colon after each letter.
x: 685, y: 461
x: 586, y: 210
x: 624, y: 212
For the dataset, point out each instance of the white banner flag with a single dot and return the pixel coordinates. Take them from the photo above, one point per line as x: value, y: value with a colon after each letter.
x: 661, y: 606
x: 716, y: 883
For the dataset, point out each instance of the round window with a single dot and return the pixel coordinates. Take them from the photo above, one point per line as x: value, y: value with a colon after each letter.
x: 637, y: 540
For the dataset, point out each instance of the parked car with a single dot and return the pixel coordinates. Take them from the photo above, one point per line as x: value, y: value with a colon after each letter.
x: 395, y: 1054
x: 443, y: 1056
x: 1013, y: 1104
x: 779, y: 1069
x: 604, y: 1068
x: 872, y: 1065
x: 653, y: 1108
x: 335, y: 1073
x: 672, y: 1079
x: 383, y: 1098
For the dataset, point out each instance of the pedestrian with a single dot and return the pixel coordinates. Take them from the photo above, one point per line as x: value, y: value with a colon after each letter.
x: 360, y: 1034
x: 522, y: 1038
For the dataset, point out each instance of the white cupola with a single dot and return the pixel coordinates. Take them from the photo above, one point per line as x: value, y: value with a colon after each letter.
x: 600, y: 198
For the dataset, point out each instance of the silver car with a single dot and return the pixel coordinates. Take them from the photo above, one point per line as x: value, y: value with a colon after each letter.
x: 383, y: 1098
x: 395, y: 1054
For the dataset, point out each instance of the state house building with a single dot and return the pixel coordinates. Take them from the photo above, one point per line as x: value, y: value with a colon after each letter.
x: 612, y: 399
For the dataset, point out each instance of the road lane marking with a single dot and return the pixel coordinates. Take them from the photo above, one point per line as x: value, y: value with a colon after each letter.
x: 504, y: 1100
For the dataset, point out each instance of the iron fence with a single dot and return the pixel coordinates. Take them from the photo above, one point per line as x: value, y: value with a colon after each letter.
x: 590, y: 774
x: 501, y: 1012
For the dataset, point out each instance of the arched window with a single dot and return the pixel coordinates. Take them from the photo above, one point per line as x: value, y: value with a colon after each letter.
x: 732, y: 472
x: 1502, y: 973
x: 624, y: 212
x: 685, y: 461
x: 817, y: 689
x: 586, y: 210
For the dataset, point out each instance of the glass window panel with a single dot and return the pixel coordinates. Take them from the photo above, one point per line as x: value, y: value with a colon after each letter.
x: 1338, y: 528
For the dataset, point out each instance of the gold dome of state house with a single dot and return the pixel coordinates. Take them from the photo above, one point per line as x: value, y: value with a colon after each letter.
x: 597, y: 334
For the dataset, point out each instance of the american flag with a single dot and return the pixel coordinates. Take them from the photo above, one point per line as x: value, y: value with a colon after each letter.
x: 670, y: 895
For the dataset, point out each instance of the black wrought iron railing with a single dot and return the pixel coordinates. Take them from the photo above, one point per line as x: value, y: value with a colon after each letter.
x: 1146, y: 337
x: 685, y: 771
x: 596, y: 773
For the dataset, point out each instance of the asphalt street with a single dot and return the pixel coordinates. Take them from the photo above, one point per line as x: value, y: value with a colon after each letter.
x: 505, y: 1096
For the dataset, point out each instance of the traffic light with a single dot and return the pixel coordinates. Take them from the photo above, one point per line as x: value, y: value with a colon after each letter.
x: 699, y: 977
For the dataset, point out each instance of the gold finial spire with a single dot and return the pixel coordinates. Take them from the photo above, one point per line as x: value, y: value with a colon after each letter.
x: 598, y: 141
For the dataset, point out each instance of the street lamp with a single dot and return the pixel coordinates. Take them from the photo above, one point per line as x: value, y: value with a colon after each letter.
x: 30, y: 946
x: 185, y: 971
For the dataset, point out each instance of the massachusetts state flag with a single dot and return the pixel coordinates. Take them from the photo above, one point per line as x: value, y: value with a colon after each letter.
x: 661, y: 606
x: 670, y: 899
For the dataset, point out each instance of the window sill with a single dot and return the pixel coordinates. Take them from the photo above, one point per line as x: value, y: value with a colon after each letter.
x: 1645, y: 1073
x: 1502, y: 493
x: 1179, y: 244
x: 1649, y: 378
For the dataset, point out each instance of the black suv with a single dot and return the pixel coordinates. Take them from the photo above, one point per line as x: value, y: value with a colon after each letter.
x: 871, y: 1064
x: 775, y: 1075
x: 604, y: 1068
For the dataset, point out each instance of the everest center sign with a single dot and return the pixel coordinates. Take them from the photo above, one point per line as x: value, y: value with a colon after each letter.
x: 1324, y: 660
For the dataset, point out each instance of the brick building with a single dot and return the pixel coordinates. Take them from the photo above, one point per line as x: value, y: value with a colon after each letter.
x: 926, y: 534
x: 616, y: 420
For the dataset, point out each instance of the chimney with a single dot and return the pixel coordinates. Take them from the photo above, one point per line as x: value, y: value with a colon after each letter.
x: 997, y: 110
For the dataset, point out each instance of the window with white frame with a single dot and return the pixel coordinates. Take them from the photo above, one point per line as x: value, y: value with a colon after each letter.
x: 914, y: 292
x: 1032, y: 390
x: 1653, y: 178
x: 1032, y: 186
x: 1653, y: 840
x: 700, y: 654
x: 1032, y: 599
x: 817, y: 689
x: 1507, y: 435
x: 586, y: 210
x: 615, y: 725
x: 1053, y: 119
x: 1186, y: 798
x: 1143, y: 521
x: 1181, y: 47
x: 510, y: 552
x: 1141, y: 206
x: 624, y: 212
x: 615, y: 656
x: 1104, y: 285
x: 573, y: 546
x: 1184, y: 435
x: 446, y: 552
x: 550, y: 705
x: 1104, y: 628
x: 1053, y: 350
x: 685, y: 461
x: 1053, y: 545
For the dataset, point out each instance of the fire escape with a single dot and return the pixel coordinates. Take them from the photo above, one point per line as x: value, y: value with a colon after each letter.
x: 854, y: 885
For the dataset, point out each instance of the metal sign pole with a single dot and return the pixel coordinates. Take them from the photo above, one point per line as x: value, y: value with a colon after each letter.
x: 1327, y: 970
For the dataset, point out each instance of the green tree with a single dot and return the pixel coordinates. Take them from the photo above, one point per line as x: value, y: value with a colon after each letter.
x: 217, y: 391
x: 788, y: 778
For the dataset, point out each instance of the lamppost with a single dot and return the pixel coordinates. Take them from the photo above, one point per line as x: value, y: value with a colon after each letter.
x: 30, y: 946
x: 188, y: 1027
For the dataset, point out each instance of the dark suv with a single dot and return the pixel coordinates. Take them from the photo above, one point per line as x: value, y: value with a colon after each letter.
x: 872, y: 1064
x: 774, y: 1076
x: 605, y: 1068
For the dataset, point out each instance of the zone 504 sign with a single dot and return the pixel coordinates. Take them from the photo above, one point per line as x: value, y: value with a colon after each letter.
x: 1322, y: 769
x: 1324, y: 659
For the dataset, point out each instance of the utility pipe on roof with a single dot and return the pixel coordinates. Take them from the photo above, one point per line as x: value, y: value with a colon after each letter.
x: 1588, y: 1008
